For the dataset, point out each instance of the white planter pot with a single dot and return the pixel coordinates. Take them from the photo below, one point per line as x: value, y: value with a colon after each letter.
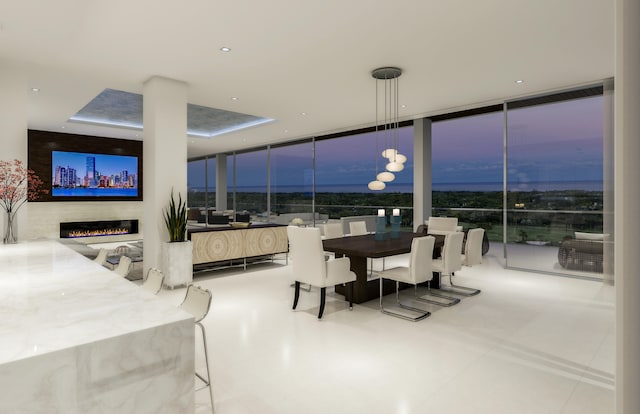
x: 177, y: 263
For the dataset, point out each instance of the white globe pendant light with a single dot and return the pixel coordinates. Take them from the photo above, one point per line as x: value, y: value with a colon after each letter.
x: 376, y: 185
x: 385, y: 176
x: 395, y: 167
x: 389, y: 153
x: 399, y: 158
x: 388, y: 128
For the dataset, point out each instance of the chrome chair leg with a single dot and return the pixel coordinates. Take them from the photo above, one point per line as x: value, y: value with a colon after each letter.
x: 207, y: 381
x: 448, y: 300
x: 422, y: 314
x: 460, y: 290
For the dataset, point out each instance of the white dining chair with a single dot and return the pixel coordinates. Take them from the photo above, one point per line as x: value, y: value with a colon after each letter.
x: 418, y: 271
x: 310, y: 266
x: 358, y: 228
x: 451, y: 262
x: 473, y: 247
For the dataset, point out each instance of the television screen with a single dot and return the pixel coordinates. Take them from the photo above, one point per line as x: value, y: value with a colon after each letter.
x: 77, y: 174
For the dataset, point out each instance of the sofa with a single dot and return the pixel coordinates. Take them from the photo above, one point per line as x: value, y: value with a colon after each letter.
x: 585, y: 252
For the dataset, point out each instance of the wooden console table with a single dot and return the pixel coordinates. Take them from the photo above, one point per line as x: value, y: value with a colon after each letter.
x: 219, y: 244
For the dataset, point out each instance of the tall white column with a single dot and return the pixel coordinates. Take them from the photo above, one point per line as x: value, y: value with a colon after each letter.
x: 221, y: 182
x: 422, y: 198
x: 13, y: 130
x: 164, y: 158
x: 627, y: 200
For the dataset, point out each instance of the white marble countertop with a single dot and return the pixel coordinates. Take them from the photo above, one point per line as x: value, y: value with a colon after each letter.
x: 52, y: 298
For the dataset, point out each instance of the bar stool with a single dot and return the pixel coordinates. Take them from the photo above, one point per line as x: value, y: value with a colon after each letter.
x: 153, y: 282
x: 197, y: 302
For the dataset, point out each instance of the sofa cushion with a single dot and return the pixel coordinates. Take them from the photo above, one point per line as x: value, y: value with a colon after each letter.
x: 589, y: 236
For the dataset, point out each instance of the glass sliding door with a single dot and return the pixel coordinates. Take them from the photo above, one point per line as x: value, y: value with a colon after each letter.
x: 467, y: 172
x: 554, y: 198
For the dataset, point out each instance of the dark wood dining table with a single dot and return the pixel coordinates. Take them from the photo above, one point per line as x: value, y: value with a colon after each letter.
x: 359, y: 248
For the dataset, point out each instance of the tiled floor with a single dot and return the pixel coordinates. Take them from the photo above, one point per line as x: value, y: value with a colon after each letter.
x: 529, y: 343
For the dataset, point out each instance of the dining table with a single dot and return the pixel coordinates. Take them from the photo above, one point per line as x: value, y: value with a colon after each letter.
x: 359, y: 248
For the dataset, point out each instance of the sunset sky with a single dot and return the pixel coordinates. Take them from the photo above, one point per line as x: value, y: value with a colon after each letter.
x: 552, y: 142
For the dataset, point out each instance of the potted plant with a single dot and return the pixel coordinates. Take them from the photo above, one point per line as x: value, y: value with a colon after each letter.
x: 177, y: 256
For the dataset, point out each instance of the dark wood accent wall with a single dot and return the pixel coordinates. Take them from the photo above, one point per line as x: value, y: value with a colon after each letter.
x: 41, y: 143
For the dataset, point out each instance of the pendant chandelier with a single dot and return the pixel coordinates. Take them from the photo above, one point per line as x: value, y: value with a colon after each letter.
x: 387, y: 125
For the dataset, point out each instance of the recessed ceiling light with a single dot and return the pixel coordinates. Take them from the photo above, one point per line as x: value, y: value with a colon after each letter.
x: 225, y: 49
x: 519, y: 81
x: 303, y: 113
x: 35, y: 89
x: 403, y: 106
x: 234, y: 98
x: 286, y: 130
x: 63, y: 127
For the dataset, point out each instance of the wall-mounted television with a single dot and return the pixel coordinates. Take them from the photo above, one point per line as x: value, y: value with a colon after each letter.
x: 81, y: 174
x: 86, y: 168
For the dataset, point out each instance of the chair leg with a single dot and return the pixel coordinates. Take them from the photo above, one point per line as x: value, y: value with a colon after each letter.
x: 471, y: 291
x: 422, y: 314
x: 459, y: 290
x: 206, y: 381
x: 323, y: 292
x: 296, y: 294
x: 449, y: 300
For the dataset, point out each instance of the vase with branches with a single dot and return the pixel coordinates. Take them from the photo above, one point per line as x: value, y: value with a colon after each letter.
x: 18, y: 184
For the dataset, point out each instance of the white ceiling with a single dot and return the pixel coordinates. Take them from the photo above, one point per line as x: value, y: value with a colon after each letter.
x: 294, y: 56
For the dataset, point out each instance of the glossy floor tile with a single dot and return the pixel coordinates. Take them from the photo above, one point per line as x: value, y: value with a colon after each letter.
x: 529, y: 343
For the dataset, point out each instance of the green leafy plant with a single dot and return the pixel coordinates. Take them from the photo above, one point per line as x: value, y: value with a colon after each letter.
x: 175, y: 217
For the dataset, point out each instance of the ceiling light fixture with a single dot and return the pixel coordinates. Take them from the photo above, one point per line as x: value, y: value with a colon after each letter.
x: 519, y: 81
x: 35, y: 89
x: 387, y: 108
x: 234, y: 98
x: 225, y: 49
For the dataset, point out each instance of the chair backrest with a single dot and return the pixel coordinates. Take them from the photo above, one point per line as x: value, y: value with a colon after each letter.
x: 123, y: 266
x: 333, y: 230
x: 305, y: 248
x: 473, y: 247
x: 101, y: 258
x: 451, y: 257
x: 358, y: 228
x: 442, y: 225
x: 420, y: 259
x: 122, y: 249
x: 153, y: 282
x: 197, y: 302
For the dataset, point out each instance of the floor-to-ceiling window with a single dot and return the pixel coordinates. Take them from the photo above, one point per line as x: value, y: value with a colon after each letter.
x: 292, y: 180
x: 250, y: 182
x: 201, y: 188
x: 467, y: 170
x: 344, y: 167
x: 554, y: 199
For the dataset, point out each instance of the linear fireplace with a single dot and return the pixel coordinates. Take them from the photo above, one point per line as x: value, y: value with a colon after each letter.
x: 97, y: 228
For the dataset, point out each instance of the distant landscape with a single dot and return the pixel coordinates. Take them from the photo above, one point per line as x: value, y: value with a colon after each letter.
x: 473, y: 209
